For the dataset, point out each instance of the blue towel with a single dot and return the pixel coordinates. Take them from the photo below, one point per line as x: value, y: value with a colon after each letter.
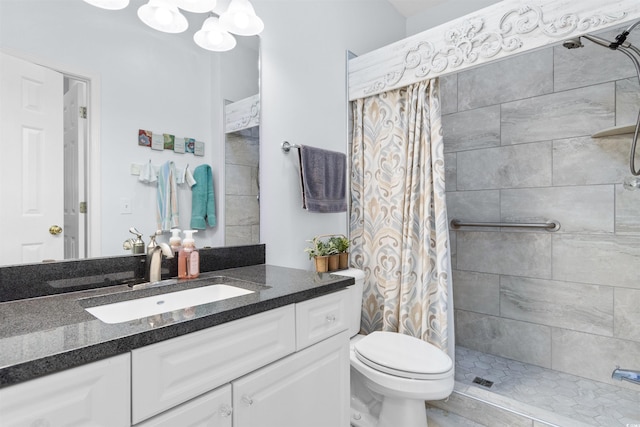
x: 323, y: 178
x: 203, y: 202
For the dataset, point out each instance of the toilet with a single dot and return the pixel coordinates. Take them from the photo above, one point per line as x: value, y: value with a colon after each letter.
x: 392, y: 374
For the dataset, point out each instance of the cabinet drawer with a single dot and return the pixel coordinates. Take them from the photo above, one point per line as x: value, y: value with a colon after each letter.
x: 171, y: 372
x: 96, y: 394
x: 309, y: 388
x: 321, y: 317
x: 211, y: 409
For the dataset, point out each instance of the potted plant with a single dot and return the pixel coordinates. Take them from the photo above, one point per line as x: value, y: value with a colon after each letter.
x: 340, y: 243
x: 319, y: 252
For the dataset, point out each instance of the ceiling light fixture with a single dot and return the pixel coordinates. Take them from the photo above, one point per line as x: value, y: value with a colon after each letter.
x: 212, y: 36
x: 196, y: 6
x: 240, y: 18
x: 163, y: 15
x: 109, y: 4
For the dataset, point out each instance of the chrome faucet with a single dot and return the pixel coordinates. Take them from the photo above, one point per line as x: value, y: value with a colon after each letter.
x: 626, y: 375
x: 154, y: 261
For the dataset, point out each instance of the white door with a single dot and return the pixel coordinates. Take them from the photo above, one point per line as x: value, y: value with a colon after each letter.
x: 31, y: 180
x: 74, y: 191
x: 309, y: 388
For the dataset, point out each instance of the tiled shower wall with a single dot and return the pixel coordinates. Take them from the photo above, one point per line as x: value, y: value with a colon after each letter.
x: 242, y: 207
x: 518, y: 149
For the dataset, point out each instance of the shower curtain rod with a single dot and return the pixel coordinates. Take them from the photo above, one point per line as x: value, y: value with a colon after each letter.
x: 551, y: 225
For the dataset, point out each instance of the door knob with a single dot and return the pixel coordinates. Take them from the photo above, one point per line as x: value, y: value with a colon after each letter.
x: 55, y: 229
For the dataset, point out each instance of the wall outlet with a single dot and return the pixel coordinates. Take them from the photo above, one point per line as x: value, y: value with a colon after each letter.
x: 125, y: 206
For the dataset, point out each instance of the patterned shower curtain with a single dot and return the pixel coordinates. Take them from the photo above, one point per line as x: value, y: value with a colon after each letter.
x: 398, y: 219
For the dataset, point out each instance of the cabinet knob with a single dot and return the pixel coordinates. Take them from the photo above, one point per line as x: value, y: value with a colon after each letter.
x: 331, y: 318
x: 247, y: 400
x: 225, y: 411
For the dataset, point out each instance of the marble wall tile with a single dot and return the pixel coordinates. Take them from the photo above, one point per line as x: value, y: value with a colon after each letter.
x: 592, y: 356
x: 577, y: 306
x: 523, y: 341
x: 585, y: 161
x: 242, y: 149
x: 522, y: 76
x: 450, y: 168
x: 235, y: 235
x: 627, y: 101
x: 471, y: 129
x: 589, y: 65
x: 597, y: 259
x: 627, y: 211
x: 576, y: 112
x: 239, y: 180
x: 477, y: 292
x: 626, y: 313
x: 241, y: 210
x: 513, y: 253
x: 564, y: 204
x: 453, y: 244
x: 449, y: 94
x: 526, y: 165
x: 483, y: 205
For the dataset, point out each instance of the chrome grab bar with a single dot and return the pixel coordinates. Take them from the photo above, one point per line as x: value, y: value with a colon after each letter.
x: 551, y: 225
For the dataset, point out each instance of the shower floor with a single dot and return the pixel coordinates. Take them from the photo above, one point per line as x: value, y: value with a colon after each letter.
x: 581, y: 400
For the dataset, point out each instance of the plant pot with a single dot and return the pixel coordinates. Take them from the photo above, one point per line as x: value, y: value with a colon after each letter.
x: 344, y: 260
x: 334, y: 261
x: 322, y: 264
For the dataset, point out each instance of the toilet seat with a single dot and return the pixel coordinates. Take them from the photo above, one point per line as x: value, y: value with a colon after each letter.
x: 403, y: 356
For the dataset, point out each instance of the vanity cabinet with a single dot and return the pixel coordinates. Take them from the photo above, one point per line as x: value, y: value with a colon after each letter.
x: 309, y: 388
x: 75, y: 397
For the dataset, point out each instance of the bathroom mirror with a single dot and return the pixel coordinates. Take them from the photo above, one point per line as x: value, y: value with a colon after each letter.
x: 147, y: 80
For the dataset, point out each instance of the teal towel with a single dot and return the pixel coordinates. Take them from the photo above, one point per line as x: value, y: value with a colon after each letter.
x: 203, y: 202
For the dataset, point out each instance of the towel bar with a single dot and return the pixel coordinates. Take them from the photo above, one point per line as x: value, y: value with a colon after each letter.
x: 551, y: 225
x: 287, y: 146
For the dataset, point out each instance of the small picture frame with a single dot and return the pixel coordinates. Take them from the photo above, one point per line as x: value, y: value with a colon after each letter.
x: 198, y: 148
x: 144, y: 138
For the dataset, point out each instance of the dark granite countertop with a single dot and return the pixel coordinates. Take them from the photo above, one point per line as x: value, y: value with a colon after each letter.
x: 43, y: 335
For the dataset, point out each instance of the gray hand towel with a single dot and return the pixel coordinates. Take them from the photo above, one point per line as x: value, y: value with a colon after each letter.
x: 323, y: 176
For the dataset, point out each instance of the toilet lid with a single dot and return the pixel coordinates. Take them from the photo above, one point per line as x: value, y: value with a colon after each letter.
x: 402, y: 355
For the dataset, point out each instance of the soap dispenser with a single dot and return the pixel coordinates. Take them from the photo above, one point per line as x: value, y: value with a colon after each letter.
x: 175, y: 242
x: 188, y: 257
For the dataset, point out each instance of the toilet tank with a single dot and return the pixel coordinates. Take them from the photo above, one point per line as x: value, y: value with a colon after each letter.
x: 355, y: 297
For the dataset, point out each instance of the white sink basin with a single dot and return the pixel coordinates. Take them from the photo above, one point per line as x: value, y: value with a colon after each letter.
x: 143, y: 307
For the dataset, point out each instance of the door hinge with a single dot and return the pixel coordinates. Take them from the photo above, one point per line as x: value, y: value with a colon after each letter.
x: 83, y: 207
x: 83, y: 112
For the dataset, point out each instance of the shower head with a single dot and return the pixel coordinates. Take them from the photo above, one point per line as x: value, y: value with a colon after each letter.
x: 573, y: 43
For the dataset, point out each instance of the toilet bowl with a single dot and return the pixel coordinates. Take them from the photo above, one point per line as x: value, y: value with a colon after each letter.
x: 392, y: 375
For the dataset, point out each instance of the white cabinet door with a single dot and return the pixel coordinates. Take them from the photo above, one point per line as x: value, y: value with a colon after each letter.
x: 210, y: 410
x: 97, y: 395
x: 309, y: 388
x: 320, y: 318
x: 171, y: 372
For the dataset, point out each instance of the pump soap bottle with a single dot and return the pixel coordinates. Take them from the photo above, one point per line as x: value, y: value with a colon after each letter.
x: 175, y: 241
x: 188, y: 257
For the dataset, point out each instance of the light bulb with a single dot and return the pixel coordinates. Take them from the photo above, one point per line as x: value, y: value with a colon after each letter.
x: 214, y: 37
x: 163, y: 16
x: 241, y: 20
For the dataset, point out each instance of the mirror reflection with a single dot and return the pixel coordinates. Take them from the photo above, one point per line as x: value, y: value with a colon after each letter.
x: 133, y: 78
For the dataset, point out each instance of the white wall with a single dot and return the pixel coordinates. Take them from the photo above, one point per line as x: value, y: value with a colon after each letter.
x: 303, y: 100
x: 149, y: 80
x: 444, y: 12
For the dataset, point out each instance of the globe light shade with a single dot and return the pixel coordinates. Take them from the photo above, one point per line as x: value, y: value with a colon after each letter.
x: 163, y: 15
x: 196, y: 6
x: 212, y: 36
x: 109, y: 4
x: 241, y: 19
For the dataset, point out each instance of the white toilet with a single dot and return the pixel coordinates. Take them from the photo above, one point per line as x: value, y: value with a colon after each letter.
x: 392, y: 374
